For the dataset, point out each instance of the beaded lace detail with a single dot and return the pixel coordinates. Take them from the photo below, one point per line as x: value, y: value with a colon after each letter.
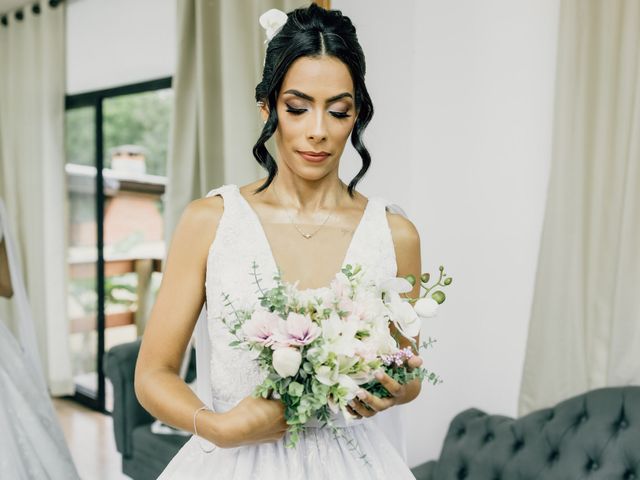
x: 239, y: 241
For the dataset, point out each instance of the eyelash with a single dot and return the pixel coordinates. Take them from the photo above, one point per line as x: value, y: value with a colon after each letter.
x: 300, y: 111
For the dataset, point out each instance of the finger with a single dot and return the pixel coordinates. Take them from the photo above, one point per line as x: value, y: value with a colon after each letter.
x: 352, y: 412
x: 414, y: 362
x: 393, y: 387
x: 376, y: 403
x: 362, y: 409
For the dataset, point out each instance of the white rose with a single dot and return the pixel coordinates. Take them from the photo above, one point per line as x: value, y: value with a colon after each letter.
x: 272, y: 21
x: 286, y: 361
x: 426, y: 307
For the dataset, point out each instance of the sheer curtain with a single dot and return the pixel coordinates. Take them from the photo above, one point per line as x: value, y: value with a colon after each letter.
x: 585, y: 321
x: 216, y: 122
x: 32, y: 176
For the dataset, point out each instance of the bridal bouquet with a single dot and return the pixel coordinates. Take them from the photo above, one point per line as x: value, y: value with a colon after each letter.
x: 319, y: 347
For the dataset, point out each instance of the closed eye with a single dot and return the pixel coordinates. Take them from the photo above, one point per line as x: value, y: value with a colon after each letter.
x: 296, y: 111
x: 300, y: 111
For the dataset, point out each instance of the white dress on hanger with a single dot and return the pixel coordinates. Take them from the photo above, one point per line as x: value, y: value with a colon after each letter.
x: 226, y: 375
x: 32, y: 446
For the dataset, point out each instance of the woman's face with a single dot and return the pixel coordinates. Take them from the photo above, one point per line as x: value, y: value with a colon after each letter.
x: 316, y: 113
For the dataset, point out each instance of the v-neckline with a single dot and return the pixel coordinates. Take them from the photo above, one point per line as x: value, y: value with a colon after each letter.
x: 272, y: 258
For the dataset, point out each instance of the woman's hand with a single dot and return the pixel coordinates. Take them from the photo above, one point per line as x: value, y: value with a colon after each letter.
x: 253, y: 420
x: 367, y: 404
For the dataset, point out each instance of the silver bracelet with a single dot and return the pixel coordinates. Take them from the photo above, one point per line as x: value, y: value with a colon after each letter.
x: 195, y: 429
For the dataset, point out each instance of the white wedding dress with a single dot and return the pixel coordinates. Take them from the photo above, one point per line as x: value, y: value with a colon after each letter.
x: 32, y: 446
x: 226, y: 375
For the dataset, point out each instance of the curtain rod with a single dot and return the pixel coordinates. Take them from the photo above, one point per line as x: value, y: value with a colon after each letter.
x: 18, y: 14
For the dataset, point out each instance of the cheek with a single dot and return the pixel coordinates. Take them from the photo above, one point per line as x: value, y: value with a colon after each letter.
x: 341, y: 129
x: 288, y: 128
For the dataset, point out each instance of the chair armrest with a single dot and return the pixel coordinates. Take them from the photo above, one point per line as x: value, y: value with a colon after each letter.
x: 425, y: 471
x: 119, y: 367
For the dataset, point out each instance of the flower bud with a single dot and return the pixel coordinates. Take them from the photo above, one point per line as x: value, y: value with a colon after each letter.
x: 441, y: 268
x: 424, y: 278
x: 447, y: 281
x: 411, y: 279
x: 438, y: 296
x: 286, y: 361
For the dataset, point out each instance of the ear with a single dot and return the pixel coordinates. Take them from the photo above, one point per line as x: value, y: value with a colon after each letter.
x: 264, y: 111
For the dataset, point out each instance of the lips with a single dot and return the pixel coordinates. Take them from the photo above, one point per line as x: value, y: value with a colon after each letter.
x: 313, y: 156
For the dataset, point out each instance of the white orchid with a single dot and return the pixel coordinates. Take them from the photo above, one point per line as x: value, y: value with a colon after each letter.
x: 404, y: 316
x: 426, y: 307
x: 272, y: 21
x: 395, y: 284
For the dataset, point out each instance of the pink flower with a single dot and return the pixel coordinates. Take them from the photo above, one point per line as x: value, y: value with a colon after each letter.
x: 297, y: 330
x: 261, y: 327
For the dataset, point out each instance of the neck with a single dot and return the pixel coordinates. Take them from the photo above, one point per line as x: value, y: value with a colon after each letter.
x: 308, y: 196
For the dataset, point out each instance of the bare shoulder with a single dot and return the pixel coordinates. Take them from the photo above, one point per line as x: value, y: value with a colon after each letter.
x: 404, y: 233
x: 406, y: 242
x: 197, y: 226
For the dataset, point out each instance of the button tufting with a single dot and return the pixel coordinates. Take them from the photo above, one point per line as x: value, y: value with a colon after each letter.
x: 593, y: 465
x: 629, y: 475
x: 623, y: 424
x: 488, y: 437
x: 553, y: 456
x: 518, y: 445
x: 460, y: 432
x: 550, y: 415
x: 462, y: 473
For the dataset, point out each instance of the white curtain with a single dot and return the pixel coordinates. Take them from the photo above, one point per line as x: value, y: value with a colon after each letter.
x: 216, y: 122
x: 585, y: 321
x: 32, y: 176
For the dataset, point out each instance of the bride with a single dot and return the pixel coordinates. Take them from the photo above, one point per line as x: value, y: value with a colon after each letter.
x: 303, y: 219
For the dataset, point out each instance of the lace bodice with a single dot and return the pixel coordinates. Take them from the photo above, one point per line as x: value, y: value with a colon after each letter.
x: 240, y: 240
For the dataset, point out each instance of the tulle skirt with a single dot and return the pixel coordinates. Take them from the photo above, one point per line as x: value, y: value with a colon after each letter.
x: 32, y: 446
x: 318, y: 455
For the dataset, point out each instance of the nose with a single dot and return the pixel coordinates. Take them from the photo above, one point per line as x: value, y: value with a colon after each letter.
x: 317, y: 127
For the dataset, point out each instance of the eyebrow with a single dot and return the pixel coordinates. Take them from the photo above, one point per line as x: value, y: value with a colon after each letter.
x: 298, y: 93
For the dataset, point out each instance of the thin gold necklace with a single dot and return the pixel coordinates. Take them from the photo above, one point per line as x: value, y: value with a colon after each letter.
x: 305, y: 235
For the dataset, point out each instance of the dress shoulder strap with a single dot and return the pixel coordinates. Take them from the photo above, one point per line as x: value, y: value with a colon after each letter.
x: 232, y: 205
x: 394, y: 208
x: 222, y: 190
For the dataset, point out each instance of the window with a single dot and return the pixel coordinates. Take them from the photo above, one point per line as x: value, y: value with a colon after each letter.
x: 116, y: 138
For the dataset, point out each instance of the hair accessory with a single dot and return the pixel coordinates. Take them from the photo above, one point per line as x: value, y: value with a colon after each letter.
x: 272, y: 21
x: 195, y: 429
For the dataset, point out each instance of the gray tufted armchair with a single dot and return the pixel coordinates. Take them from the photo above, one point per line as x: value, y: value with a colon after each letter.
x: 592, y: 436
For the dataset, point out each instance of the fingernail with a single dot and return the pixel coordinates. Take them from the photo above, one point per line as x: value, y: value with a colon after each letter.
x: 361, y: 394
x: 378, y: 375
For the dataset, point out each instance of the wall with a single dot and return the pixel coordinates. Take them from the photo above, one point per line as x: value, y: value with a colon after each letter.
x: 119, y: 42
x: 461, y: 139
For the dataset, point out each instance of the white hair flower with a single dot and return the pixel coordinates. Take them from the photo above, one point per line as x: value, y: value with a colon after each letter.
x: 272, y: 21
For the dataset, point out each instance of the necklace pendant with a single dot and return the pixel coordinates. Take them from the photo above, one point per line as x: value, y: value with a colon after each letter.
x: 306, y: 235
